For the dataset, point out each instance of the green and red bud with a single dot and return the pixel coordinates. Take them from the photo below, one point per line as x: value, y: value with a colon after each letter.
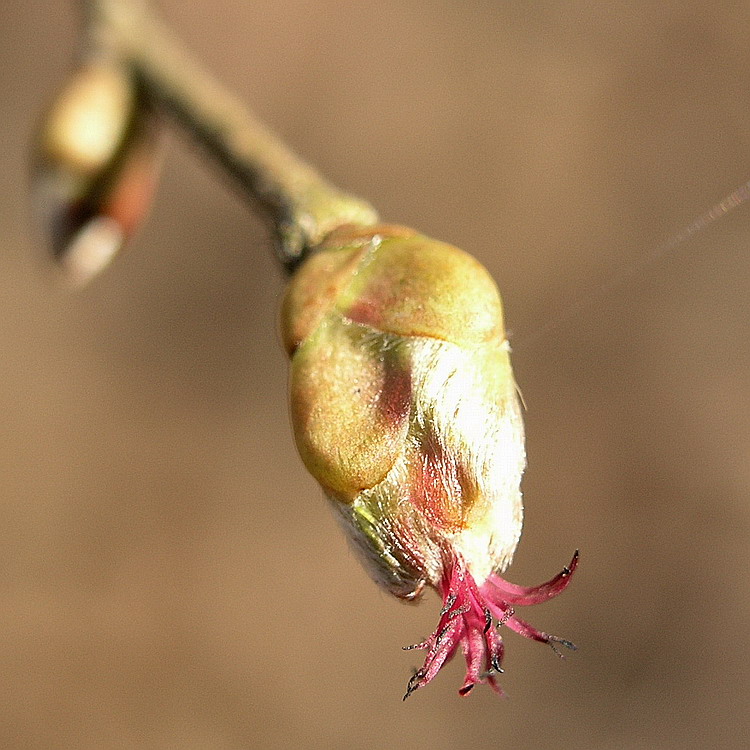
x: 95, y: 167
x: 405, y: 410
x: 401, y: 380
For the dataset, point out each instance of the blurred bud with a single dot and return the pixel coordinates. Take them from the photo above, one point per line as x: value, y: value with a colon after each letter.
x: 405, y: 410
x: 95, y: 166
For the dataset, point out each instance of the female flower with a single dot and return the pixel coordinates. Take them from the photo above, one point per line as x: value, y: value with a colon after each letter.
x: 405, y: 410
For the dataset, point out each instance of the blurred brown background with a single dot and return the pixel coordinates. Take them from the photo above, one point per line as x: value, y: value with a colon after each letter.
x: 169, y: 575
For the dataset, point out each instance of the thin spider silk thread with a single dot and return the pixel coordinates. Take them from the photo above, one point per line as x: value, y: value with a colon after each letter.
x: 718, y: 211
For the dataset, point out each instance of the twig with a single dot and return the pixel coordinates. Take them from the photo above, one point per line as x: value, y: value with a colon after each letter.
x: 303, y: 205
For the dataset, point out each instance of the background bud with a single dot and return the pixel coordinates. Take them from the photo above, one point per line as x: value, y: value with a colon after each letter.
x: 95, y: 166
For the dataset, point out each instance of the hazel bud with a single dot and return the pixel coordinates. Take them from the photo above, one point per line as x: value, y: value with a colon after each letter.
x: 95, y: 167
x: 405, y: 410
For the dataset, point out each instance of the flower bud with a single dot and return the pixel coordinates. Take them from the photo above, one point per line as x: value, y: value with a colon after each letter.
x: 95, y: 166
x: 405, y: 410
